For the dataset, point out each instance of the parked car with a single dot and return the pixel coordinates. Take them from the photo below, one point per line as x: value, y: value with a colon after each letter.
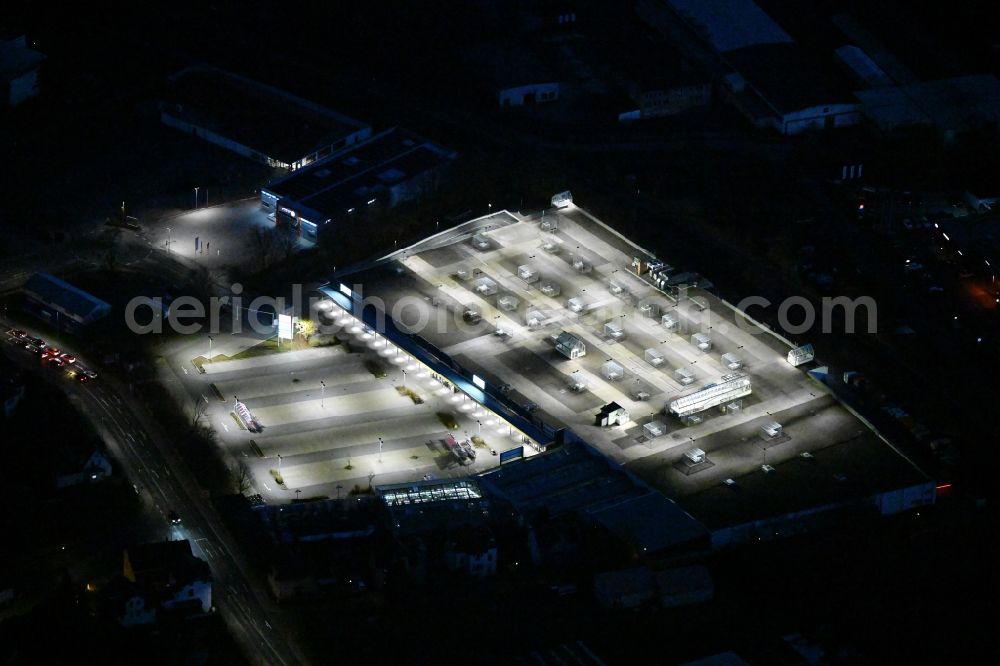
x: 468, y: 449
x: 18, y: 333
x: 69, y: 358
x: 174, y: 518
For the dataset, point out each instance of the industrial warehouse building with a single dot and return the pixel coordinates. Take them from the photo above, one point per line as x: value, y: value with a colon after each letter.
x: 576, y: 478
x: 255, y: 120
x: 755, y: 452
x: 19, y: 66
x: 61, y: 304
x: 387, y: 169
x: 772, y: 80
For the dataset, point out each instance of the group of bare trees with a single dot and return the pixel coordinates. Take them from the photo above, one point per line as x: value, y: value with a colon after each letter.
x: 273, y: 244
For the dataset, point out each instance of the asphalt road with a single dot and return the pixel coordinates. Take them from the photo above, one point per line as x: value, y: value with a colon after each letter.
x: 166, y: 484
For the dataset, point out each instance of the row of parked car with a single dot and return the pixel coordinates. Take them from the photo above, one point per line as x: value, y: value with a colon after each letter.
x: 52, y: 357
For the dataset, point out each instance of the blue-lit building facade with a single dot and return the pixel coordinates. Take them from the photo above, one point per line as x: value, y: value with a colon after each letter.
x: 391, y: 167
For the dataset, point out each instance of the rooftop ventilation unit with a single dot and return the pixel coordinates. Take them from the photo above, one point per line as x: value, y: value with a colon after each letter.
x: 729, y: 388
x: 612, y: 371
x: 694, y: 457
x: 731, y: 361
x: 801, y: 355
x: 654, y: 357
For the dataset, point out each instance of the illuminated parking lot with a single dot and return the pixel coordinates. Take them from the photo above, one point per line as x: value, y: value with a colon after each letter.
x: 333, y: 419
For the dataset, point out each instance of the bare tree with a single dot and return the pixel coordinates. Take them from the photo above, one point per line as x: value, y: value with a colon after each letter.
x: 264, y: 245
x: 208, y: 280
x: 108, y: 248
x: 200, y: 407
x: 286, y: 242
x: 242, y: 476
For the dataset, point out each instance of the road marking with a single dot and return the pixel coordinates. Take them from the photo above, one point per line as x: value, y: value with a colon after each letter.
x: 226, y: 427
x: 184, y: 369
x: 206, y: 547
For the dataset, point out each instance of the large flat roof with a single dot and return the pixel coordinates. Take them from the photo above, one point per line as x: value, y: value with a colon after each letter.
x: 845, y: 467
x: 272, y: 121
x: 960, y: 103
x: 788, y: 79
x: 359, y: 173
x: 575, y: 478
x: 435, y: 282
x: 730, y: 24
x: 61, y: 295
x: 17, y: 59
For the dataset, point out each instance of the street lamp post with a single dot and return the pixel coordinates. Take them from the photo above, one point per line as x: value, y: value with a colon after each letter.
x: 404, y: 377
x: 168, y: 239
x: 322, y: 394
x: 196, y: 198
x: 279, y: 464
x: 210, y: 348
x: 380, y: 444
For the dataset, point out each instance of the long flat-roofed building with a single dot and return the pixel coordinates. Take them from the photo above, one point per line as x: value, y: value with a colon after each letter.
x: 19, y: 66
x: 773, y: 81
x: 699, y: 436
x: 256, y: 120
x: 576, y: 478
x: 387, y: 169
x: 61, y: 304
